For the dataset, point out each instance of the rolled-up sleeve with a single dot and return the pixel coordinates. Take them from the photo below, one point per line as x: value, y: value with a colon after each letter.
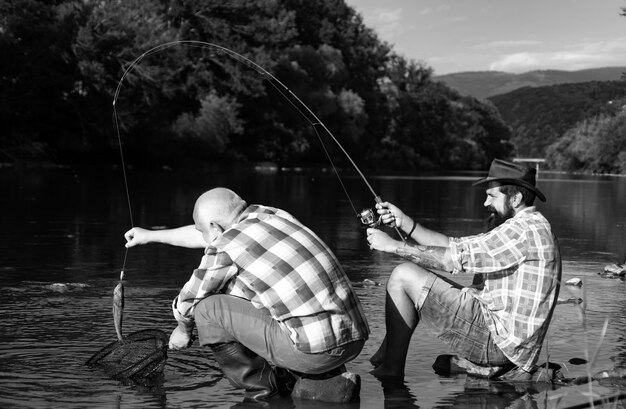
x: 216, y: 270
x: 497, y: 250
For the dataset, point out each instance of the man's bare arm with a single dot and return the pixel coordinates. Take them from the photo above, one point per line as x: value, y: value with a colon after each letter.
x: 429, y: 257
x: 186, y: 236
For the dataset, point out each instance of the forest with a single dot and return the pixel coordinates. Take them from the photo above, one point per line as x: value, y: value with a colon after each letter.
x: 63, y: 62
x: 575, y: 127
x: 181, y: 82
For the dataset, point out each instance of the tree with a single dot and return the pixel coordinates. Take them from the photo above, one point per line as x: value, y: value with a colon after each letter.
x: 38, y: 77
x: 211, y: 129
x: 596, y: 144
x: 150, y: 99
x: 202, y: 97
x: 432, y: 126
x: 335, y: 24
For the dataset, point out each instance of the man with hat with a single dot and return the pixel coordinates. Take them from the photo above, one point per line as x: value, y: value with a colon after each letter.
x: 497, y: 325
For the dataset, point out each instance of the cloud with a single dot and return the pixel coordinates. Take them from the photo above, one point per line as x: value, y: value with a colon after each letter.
x: 386, y: 22
x: 506, y: 44
x: 387, y: 16
x: 439, y: 9
x: 571, y: 57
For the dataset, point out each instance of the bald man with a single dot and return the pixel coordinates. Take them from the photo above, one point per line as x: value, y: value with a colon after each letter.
x: 269, y: 297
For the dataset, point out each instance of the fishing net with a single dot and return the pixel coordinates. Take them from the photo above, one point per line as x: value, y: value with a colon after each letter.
x: 140, y: 357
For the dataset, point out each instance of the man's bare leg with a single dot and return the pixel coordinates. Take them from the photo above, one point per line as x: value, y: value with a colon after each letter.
x: 401, y: 318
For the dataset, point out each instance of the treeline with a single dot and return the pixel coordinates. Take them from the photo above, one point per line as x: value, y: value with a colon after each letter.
x: 595, y: 145
x: 576, y: 127
x: 62, y: 62
x: 485, y: 84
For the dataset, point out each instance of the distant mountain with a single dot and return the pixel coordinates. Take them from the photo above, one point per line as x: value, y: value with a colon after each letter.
x: 540, y: 116
x: 484, y: 84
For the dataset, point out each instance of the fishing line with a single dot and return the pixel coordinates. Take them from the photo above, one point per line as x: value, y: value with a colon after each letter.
x: 281, y: 88
x: 334, y: 168
x: 130, y: 208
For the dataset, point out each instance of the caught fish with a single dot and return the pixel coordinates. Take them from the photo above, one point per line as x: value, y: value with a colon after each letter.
x: 118, y: 306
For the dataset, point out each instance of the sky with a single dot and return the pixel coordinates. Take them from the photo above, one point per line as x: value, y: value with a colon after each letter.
x: 501, y: 35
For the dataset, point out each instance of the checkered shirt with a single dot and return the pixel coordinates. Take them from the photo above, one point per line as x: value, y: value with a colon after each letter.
x: 520, y: 266
x: 271, y: 259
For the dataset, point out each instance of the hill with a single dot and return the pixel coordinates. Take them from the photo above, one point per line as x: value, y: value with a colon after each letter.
x: 484, y: 84
x: 541, y: 115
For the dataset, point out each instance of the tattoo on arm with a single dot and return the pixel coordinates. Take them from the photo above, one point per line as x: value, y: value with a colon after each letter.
x: 430, y: 257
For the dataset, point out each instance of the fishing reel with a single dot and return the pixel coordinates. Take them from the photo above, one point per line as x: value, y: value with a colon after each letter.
x: 368, y: 218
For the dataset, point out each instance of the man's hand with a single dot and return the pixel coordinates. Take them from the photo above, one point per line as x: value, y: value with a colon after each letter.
x: 181, y: 337
x: 136, y: 236
x: 391, y: 215
x: 379, y: 240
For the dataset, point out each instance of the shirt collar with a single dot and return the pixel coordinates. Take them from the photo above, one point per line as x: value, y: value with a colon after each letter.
x: 212, y: 248
x: 529, y: 209
x: 256, y: 211
x: 246, y: 212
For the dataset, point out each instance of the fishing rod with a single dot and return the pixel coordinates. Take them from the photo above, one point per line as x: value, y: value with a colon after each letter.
x: 366, y: 216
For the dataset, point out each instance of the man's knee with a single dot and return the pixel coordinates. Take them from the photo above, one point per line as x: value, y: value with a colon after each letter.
x: 209, y: 319
x: 208, y: 310
x: 408, y: 275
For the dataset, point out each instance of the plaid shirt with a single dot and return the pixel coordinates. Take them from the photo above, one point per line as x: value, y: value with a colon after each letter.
x: 520, y: 265
x: 271, y: 259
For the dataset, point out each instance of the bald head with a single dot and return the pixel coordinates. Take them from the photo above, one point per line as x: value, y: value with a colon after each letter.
x: 219, y: 205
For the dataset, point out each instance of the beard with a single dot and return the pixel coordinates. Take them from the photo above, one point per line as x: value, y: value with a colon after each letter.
x: 496, y: 218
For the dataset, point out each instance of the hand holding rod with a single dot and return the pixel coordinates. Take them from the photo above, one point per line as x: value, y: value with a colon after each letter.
x: 395, y: 226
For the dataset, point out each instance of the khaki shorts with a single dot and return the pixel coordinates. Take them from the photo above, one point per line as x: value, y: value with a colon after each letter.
x: 458, y: 321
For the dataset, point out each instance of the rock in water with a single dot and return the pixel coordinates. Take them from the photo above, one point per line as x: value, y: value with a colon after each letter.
x: 447, y: 365
x: 572, y: 300
x: 370, y: 283
x: 58, y: 287
x: 577, y: 282
x: 342, y: 388
x: 616, y: 270
x: 577, y: 361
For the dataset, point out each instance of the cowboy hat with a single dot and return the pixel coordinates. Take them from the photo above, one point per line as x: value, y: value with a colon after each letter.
x: 507, y: 173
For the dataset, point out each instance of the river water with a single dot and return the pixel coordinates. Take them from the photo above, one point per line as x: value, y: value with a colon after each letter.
x: 62, y: 249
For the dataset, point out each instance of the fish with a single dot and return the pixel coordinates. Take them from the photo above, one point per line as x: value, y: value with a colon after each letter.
x: 118, y: 306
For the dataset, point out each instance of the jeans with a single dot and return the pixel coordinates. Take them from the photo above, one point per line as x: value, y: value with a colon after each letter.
x: 224, y: 318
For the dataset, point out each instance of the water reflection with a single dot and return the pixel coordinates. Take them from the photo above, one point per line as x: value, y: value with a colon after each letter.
x: 397, y: 394
x: 480, y: 393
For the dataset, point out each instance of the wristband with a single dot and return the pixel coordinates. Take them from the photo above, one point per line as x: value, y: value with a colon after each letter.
x: 411, y: 232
